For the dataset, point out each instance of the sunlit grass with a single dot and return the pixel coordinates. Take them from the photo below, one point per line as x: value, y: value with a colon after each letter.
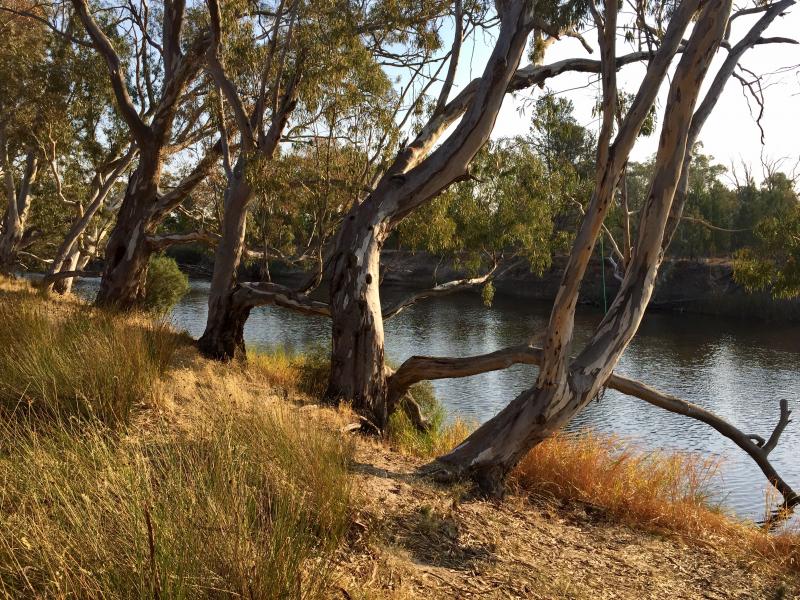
x: 668, y: 492
x: 304, y: 373
x: 254, y: 505
x: 65, y: 359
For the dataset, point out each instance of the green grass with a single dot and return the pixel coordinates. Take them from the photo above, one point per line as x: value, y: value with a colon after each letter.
x: 67, y: 360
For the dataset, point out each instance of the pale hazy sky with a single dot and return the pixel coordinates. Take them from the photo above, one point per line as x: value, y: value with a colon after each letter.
x: 730, y: 134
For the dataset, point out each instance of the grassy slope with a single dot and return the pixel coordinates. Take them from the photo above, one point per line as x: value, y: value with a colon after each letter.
x: 201, y: 479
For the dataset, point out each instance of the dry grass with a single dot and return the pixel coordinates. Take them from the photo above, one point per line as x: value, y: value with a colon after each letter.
x: 255, y: 506
x: 65, y: 359
x: 215, y: 491
x: 667, y: 492
x: 305, y: 374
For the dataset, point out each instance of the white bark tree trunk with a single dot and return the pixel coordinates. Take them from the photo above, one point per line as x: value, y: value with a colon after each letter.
x: 564, y: 387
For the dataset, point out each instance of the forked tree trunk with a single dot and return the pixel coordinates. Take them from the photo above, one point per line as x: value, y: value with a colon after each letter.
x: 17, y: 208
x: 358, y: 373
x: 66, y: 258
x: 563, y: 388
x: 357, y: 356
x: 223, y: 338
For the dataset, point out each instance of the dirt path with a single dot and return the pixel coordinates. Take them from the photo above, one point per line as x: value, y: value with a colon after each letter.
x: 418, y: 540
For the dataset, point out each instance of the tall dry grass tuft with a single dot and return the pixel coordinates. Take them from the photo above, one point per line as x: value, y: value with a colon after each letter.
x: 250, y: 504
x: 64, y: 359
x: 667, y: 492
x: 442, y: 436
x: 280, y: 368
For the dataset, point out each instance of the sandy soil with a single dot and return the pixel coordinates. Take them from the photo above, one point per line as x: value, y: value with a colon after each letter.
x: 415, y: 539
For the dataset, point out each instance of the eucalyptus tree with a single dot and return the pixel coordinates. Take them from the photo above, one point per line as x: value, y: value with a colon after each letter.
x: 565, y: 384
x: 342, y: 78
x: 151, y: 71
x: 417, y: 174
x: 26, y: 109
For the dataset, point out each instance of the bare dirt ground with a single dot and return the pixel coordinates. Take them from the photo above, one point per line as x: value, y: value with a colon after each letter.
x: 416, y: 539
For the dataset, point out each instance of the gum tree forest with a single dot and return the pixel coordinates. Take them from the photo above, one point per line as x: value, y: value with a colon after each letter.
x: 314, y: 136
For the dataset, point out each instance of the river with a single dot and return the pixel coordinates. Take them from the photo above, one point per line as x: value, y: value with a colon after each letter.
x: 737, y: 369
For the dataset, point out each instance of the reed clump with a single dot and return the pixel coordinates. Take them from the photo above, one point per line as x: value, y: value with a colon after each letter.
x: 666, y: 492
x: 250, y: 504
x: 65, y: 359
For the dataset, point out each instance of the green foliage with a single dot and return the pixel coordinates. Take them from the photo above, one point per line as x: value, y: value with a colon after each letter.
x: 773, y: 263
x: 506, y: 209
x: 63, y: 361
x: 166, y: 284
x: 487, y: 294
x: 751, y: 222
x: 253, y: 504
x: 559, y: 140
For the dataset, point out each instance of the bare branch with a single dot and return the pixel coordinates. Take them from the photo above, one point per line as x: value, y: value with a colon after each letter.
x: 458, y: 38
x: 423, y: 368
x: 139, y: 129
x: 783, y: 421
x: 171, y: 199
x: 258, y: 294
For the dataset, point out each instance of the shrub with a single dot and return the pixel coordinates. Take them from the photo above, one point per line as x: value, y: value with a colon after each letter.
x: 166, y: 284
x: 255, y: 505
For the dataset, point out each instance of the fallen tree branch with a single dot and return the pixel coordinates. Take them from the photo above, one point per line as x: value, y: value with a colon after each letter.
x: 420, y: 368
x: 442, y: 289
x: 757, y: 452
x: 161, y: 242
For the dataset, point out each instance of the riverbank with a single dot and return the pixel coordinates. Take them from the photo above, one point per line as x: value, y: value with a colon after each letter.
x: 212, y: 479
x: 699, y: 286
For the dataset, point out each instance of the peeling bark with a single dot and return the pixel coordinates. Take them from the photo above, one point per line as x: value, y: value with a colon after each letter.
x: 564, y: 387
x: 358, y: 373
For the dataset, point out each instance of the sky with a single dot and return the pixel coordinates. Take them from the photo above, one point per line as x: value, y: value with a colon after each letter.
x: 730, y: 135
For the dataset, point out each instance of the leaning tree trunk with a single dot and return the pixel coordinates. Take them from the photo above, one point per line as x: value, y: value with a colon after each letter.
x: 64, y: 286
x: 223, y: 337
x: 565, y: 387
x: 357, y: 357
x: 127, y: 253
x: 358, y: 373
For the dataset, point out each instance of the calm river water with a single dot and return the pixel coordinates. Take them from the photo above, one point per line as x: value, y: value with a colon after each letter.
x: 737, y: 369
